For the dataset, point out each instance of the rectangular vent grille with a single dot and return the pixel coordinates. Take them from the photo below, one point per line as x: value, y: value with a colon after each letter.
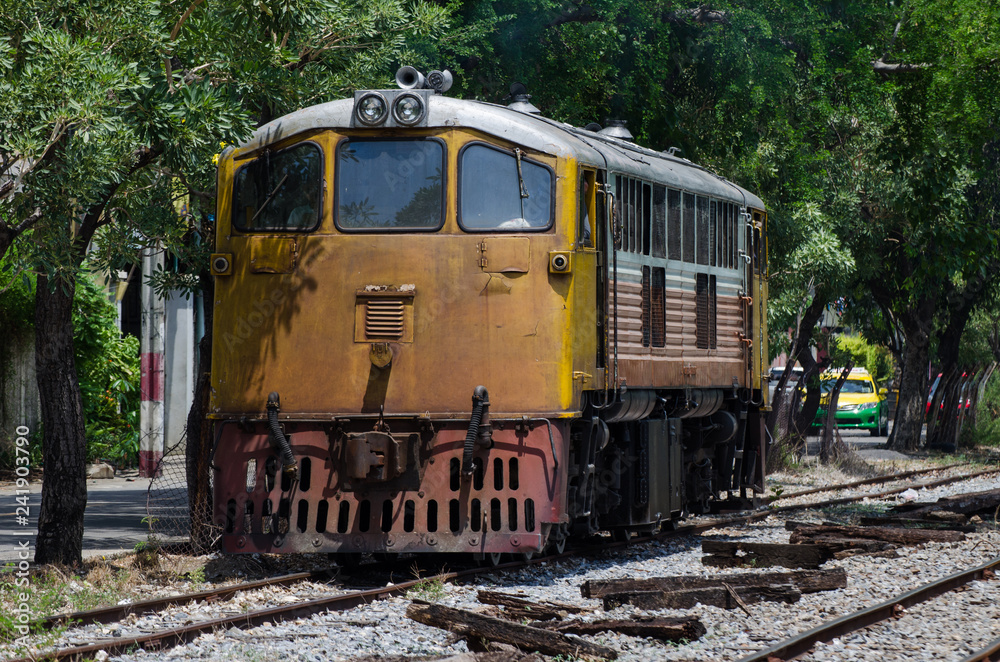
x: 706, y: 329
x: 384, y: 319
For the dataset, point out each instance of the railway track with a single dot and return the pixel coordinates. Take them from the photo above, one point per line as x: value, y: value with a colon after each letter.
x: 802, y: 643
x: 167, y: 638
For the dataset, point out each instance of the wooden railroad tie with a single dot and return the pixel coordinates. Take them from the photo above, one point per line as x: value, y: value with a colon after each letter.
x: 548, y: 616
x: 986, y: 502
x: 726, y: 591
x: 735, y: 554
x: 474, y: 626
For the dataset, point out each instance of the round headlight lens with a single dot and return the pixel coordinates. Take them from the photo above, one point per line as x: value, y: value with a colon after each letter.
x: 371, y: 109
x: 408, y: 109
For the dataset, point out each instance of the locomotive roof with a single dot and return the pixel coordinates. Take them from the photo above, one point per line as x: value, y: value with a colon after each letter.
x: 532, y: 131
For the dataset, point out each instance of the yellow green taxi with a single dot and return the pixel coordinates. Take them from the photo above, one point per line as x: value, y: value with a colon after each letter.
x: 861, y: 404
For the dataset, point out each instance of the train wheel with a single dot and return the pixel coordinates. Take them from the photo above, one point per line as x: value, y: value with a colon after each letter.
x: 621, y: 535
x: 526, y: 556
x: 492, y: 559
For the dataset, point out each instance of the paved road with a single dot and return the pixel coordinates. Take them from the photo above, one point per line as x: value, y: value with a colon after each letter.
x: 113, y: 521
x: 865, y: 445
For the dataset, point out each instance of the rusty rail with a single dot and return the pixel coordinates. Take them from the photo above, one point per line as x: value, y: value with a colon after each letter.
x: 885, y: 493
x: 802, y: 643
x: 991, y: 653
x: 118, y: 612
x: 858, y: 483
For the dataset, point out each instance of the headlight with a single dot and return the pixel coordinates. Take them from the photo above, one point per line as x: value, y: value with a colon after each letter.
x: 371, y: 109
x: 408, y: 109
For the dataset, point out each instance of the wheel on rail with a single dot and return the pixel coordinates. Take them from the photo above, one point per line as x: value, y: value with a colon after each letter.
x: 488, y: 559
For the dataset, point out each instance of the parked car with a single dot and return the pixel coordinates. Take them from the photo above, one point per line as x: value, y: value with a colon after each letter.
x: 775, y: 374
x: 862, y: 404
x: 933, y: 389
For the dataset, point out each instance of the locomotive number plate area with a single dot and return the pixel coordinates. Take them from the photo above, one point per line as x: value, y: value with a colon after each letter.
x: 368, y: 491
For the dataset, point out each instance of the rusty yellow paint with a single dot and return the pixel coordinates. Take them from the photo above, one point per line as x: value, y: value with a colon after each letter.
x: 272, y: 255
x: 515, y: 331
x: 501, y: 255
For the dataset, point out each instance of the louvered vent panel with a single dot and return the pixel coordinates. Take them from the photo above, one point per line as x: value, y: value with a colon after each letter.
x: 645, y: 306
x: 384, y: 319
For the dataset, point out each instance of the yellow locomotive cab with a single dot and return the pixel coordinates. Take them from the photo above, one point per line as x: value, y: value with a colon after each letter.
x: 449, y: 326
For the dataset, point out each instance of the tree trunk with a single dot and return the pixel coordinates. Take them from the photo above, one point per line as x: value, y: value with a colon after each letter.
x: 912, y: 391
x: 64, y: 482
x: 830, y: 420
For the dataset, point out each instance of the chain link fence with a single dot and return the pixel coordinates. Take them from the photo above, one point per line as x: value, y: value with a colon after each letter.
x: 178, y: 504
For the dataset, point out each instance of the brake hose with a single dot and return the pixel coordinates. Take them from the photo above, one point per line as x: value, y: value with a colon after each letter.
x: 480, y: 401
x: 287, y: 459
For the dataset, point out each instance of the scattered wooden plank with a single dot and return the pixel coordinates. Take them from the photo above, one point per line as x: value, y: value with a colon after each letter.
x: 520, y: 608
x: 834, y: 545
x: 664, y: 629
x: 468, y: 624
x: 807, y: 581
x: 716, y: 596
x: 885, y: 534
x: 739, y: 601
x: 725, y: 554
x: 959, y: 524
x: 965, y: 504
x: 883, y: 554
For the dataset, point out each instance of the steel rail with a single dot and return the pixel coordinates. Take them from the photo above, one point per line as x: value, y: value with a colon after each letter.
x: 118, y: 612
x: 885, y: 493
x: 802, y: 643
x: 991, y: 653
x: 867, y: 481
x: 168, y: 638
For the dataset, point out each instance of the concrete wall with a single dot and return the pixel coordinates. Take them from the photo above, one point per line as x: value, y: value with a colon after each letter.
x: 19, y: 403
x: 178, y: 368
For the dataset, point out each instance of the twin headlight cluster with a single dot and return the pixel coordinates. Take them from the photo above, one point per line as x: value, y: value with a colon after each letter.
x: 391, y: 108
x: 408, y: 106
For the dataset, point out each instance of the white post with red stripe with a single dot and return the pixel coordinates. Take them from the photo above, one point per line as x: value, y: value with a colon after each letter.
x: 151, y: 367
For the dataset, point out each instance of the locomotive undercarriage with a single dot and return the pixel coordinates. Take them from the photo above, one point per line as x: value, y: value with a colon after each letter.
x: 639, y: 475
x: 397, y: 485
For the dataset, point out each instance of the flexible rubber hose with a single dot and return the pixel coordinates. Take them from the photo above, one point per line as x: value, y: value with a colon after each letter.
x: 287, y: 459
x: 480, y: 398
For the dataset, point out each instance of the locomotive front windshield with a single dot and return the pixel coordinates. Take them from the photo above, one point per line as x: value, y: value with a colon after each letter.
x: 503, y: 191
x: 280, y: 190
x: 390, y: 184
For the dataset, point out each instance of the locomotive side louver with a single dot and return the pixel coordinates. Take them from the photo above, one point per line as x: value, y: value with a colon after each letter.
x: 384, y: 314
x: 384, y: 319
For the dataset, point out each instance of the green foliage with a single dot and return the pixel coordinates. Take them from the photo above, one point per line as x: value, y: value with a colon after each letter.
x: 430, y: 589
x: 107, y: 365
x: 986, y: 431
x: 874, y: 358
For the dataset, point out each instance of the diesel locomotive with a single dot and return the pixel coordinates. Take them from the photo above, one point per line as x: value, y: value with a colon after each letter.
x: 451, y: 326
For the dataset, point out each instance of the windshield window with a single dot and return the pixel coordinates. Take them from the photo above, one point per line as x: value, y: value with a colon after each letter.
x: 280, y: 190
x: 850, y: 386
x: 390, y: 184
x: 503, y: 192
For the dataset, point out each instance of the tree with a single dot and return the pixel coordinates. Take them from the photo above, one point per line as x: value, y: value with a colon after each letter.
x: 106, y: 107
